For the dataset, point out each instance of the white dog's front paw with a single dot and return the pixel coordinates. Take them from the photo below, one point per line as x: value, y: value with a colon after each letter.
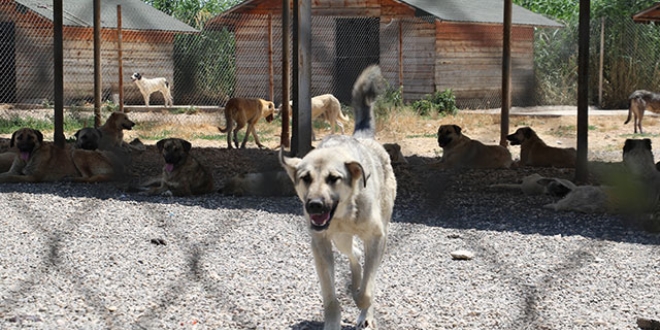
x: 366, y: 320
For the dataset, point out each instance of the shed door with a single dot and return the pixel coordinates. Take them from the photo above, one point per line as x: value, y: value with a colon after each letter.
x: 357, y: 45
x: 7, y: 63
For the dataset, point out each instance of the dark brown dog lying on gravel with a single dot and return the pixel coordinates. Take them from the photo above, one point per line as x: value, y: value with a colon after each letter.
x: 39, y: 161
x: 534, y: 152
x: 183, y: 174
x: 459, y: 151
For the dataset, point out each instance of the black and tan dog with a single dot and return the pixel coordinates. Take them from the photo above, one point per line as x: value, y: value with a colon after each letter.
x: 394, y: 150
x: 638, y: 102
x: 459, y: 151
x: 39, y: 161
x: 246, y: 111
x: 534, y: 152
x: 88, y: 138
x: 183, y: 174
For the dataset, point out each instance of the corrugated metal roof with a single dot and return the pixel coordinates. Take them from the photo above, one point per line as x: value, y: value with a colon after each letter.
x: 479, y: 11
x: 136, y: 15
x: 650, y: 14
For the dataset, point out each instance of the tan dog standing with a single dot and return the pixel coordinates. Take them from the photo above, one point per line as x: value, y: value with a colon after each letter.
x: 183, y: 174
x: 459, y: 151
x: 328, y: 108
x: 40, y: 161
x: 534, y: 152
x: 639, y: 101
x: 246, y: 111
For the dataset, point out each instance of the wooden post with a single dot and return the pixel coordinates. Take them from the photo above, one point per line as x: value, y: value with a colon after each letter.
x: 58, y: 73
x: 97, y: 63
x: 271, y: 80
x: 285, y: 139
x: 506, y: 74
x: 401, y: 56
x: 120, y: 61
x: 602, y: 57
x: 581, y: 172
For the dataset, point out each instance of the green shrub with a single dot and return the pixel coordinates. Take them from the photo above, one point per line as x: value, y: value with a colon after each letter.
x: 391, y: 100
x: 439, y: 102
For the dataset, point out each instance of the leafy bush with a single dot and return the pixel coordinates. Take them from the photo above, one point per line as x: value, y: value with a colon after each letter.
x: 441, y: 102
x: 392, y: 99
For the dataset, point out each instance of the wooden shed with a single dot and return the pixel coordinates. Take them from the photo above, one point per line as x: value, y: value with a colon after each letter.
x: 422, y: 46
x: 26, y: 55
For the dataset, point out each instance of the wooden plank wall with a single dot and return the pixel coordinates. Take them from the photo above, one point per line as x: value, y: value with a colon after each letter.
x: 469, y: 61
x: 147, y: 52
x: 418, y: 58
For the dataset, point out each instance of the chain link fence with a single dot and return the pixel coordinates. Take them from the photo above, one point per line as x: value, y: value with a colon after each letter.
x: 240, y: 55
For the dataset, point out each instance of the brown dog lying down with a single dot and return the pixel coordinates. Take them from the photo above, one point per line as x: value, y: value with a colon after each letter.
x: 534, y: 152
x: 39, y: 161
x: 394, y: 150
x: 635, y: 190
x: 183, y: 174
x: 459, y: 151
x: 246, y: 111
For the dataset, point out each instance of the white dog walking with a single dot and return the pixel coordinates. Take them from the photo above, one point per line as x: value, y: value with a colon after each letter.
x: 149, y: 86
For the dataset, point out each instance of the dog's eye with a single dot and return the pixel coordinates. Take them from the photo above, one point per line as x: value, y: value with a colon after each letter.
x: 332, y: 179
x: 307, y: 178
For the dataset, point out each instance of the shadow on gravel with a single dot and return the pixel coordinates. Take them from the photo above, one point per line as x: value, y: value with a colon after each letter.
x: 464, y: 200
x: 314, y: 325
x: 433, y: 197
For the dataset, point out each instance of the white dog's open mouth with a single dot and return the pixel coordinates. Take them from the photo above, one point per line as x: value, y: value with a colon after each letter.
x: 321, y: 220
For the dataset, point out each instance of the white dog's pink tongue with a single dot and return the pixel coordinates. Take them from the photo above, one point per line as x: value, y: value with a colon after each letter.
x: 25, y: 156
x: 320, y: 219
x: 169, y: 167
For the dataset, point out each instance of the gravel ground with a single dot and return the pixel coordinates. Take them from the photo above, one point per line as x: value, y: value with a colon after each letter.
x: 91, y: 256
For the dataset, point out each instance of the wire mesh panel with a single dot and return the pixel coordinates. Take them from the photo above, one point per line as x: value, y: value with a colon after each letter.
x: 242, y: 56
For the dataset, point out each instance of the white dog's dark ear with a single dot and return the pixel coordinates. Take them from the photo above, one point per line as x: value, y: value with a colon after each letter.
x: 290, y: 165
x: 357, y: 172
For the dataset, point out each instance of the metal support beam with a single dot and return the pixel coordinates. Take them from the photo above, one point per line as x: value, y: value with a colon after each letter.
x: 581, y: 172
x: 285, y: 139
x: 97, y: 63
x: 58, y: 73
x: 301, y: 142
x: 506, y: 74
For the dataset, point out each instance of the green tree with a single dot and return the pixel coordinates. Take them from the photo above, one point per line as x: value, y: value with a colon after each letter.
x: 193, y: 12
x: 631, y: 51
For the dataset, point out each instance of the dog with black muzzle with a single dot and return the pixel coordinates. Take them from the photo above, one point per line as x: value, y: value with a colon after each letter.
x: 149, y: 86
x: 183, y: 174
x: 88, y: 138
x: 534, y: 152
x: 347, y: 187
x: 246, y: 111
x: 459, y: 151
x: 40, y: 161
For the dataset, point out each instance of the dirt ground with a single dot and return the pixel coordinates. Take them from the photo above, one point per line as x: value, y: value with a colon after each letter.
x: 417, y: 137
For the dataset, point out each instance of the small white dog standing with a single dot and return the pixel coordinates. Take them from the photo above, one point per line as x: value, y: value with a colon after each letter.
x: 149, y: 86
x: 347, y: 186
